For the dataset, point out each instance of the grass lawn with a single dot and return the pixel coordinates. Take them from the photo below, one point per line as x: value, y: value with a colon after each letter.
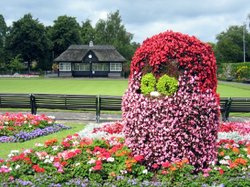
x: 7, y: 147
x: 94, y: 86
x: 83, y: 86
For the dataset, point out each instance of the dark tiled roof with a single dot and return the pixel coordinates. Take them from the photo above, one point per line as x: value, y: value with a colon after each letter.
x: 76, y: 53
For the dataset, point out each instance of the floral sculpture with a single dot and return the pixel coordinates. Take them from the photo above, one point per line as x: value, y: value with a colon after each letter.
x: 171, y: 109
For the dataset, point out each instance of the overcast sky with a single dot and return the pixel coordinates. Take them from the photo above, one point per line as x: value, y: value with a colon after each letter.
x: 143, y: 18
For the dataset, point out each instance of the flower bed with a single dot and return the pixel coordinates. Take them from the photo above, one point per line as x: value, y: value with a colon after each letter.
x: 22, y: 127
x: 80, y: 160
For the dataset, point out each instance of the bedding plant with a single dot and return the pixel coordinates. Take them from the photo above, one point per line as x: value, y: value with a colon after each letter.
x: 22, y: 127
x: 169, y: 134
x: 80, y: 160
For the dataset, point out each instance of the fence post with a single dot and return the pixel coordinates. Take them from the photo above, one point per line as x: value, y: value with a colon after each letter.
x: 33, y: 104
x: 97, y: 108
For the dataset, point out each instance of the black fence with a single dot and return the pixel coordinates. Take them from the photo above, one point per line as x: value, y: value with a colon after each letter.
x: 97, y: 103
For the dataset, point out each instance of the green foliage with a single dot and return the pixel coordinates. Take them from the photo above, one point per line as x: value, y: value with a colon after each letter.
x: 229, y: 47
x: 28, y: 38
x: 243, y: 72
x: 236, y: 71
x: 113, y: 32
x: 87, y: 32
x: 64, y: 32
x: 167, y: 85
x: 148, y: 82
x: 16, y: 64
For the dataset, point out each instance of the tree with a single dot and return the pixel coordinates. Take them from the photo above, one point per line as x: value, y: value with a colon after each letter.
x: 113, y: 32
x: 229, y: 47
x: 3, y: 32
x: 87, y: 32
x: 63, y: 33
x: 28, y: 38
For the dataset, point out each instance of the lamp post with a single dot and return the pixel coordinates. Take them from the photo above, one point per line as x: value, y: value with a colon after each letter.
x: 244, y: 28
x: 244, y: 42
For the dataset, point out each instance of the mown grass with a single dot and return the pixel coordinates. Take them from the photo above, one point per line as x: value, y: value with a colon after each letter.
x: 233, y: 89
x: 5, y: 148
x: 94, y: 86
x: 83, y: 86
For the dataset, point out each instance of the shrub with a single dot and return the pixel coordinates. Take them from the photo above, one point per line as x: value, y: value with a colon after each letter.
x: 148, y: 82
x: 237, y: 71
x: 167, y: 85
x: 243, y: 73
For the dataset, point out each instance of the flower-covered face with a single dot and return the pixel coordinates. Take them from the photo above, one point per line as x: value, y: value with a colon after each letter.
x: 175, y: 55
x: 170, y: 109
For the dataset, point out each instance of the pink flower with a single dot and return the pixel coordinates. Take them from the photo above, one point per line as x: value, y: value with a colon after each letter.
x: 166, y: 164
x: 155, y: 166
x: 138, y: 158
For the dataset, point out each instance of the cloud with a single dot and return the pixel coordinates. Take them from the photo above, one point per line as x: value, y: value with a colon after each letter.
x: 143, y: 18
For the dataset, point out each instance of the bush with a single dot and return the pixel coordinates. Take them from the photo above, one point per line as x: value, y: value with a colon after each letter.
x: 167, y: 85
x: 236, y: 71
x: 148, y: 82
x: 243, y: 72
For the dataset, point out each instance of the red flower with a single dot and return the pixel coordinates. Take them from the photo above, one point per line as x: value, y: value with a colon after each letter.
x: 38, y: 169
x: 164, y: 172
x: 155, y: 166
x: 221, y: 171
x: 138, y: 158
x: 166, y: 164
x: 98, y: 165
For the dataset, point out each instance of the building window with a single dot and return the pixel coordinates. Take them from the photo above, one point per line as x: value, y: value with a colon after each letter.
x: 100, y: 67
x: 81, y: 67
x: 115, y: 66
x: 65, y: 66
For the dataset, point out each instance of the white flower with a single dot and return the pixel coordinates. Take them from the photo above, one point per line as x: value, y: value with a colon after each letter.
x: 155, y: 94
x: 213, y: 163
x: 91, y: 161
x: 75, y: 143
x: 6, y: 123
x: 110, y: 159
x: 145, y: 171
x: 227, y: 157
x: 30, y: 126
x: 47, y: 160
x: 224, y: 162
x: 77, y: 164
x: 123, y: 171
x: 27, y: 151
x: 17, y: 166
x: 55, y: 148
x: 39, y: 145
x: 14, y: 151
x: 52, y: 117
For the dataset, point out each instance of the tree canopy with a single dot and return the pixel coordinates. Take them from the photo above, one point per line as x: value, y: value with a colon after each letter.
x: 229, y: 47
x: 64, y: 32
x: 28, y: 38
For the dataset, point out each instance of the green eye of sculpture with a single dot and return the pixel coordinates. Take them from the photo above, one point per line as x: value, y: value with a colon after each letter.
x: 166, y: 85
x: 148, y: 82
